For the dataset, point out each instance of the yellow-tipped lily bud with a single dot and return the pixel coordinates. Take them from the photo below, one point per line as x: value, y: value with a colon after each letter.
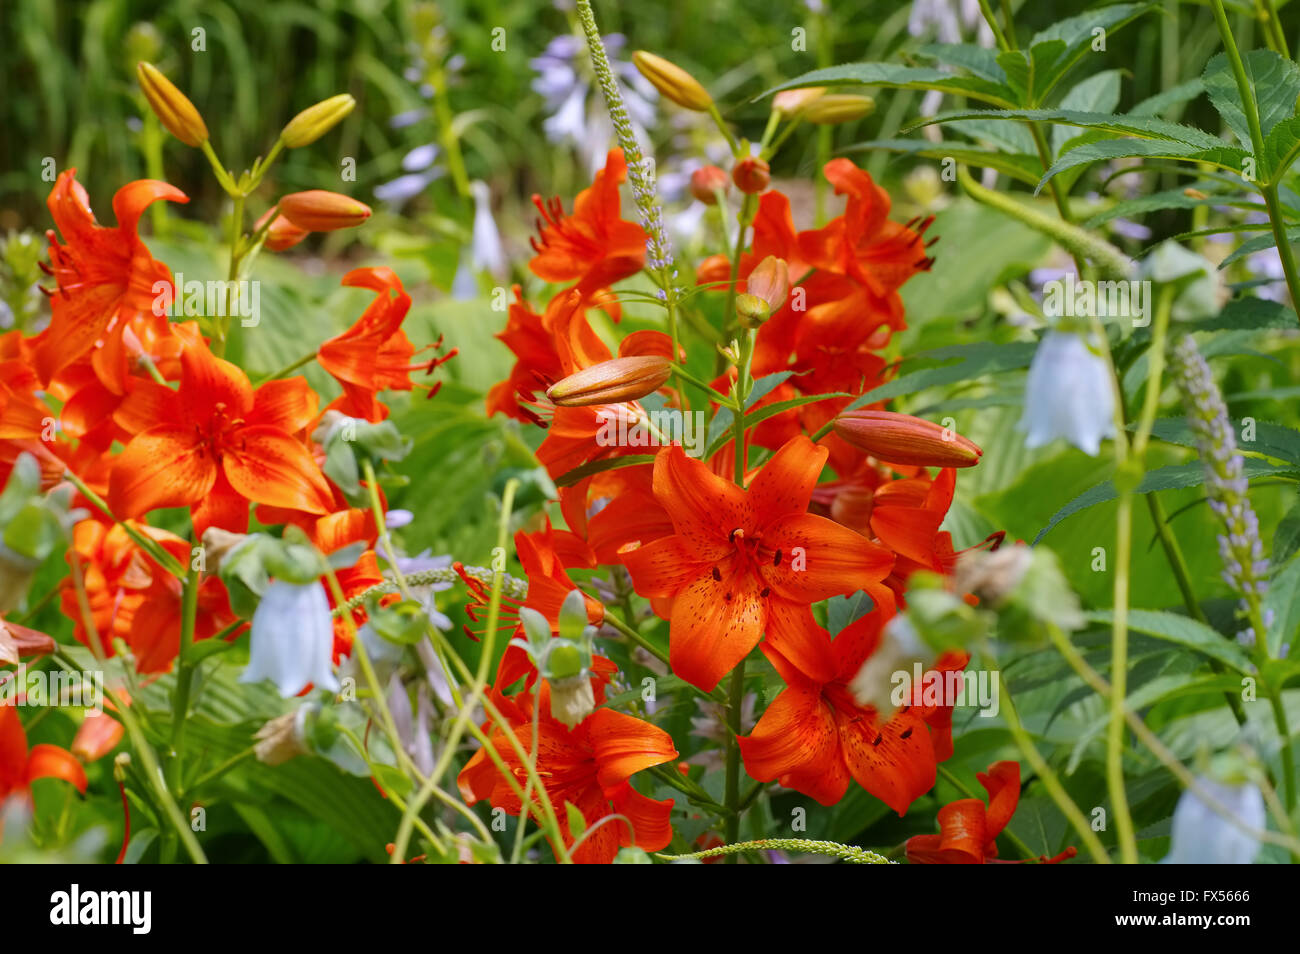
x: 673, y: 82
x: 838, y: 108
x: 791, y: 102
x: 766, y: 289
x: 904, y: 439
x: 612, y: 382
x: 315, y: 121
x: 172, y: 107
x: 319, y: 210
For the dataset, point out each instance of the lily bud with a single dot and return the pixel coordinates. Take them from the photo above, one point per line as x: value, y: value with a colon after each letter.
x: 751, y: 175
x: 673, y: 82
x: 18, y: 641
x: 612, y: 382
x: 838, y: 108
x: 770, y: 281
x: 791, y: 102
x: 172, y: 107
x: 319, y: 210
x: 98, y: 734
x: 315, y: 121
x: 281, y: 234
x: 707, y: 182
x: 904, y: 439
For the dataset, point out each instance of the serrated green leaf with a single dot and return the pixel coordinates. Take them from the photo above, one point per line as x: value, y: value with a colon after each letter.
x: 1158, y: 201
x: 1077, y: 35
x: 1226, y: 157
x: 894, y: 76
x: 1281, y: 148
x: 1259, y: 243
x: 1098, y: 93
x: 1274, y: 80
x: 1184, y: 631
x: 1142, y: 127
x: 975, y: 59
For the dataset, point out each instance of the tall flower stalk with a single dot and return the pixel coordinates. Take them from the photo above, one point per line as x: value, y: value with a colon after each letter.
x: 640, y: 173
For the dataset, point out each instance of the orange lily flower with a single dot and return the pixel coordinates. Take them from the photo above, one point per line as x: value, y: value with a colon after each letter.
x: 745, y: 561
x: 19, y: 766
x: 594, y: 247
x: 815, y: 736
x: 105, y: 278
x: 133, y: 598
x: 24, y: 423
x: 374, y: 354
x: 588, y: 766
x: 968, y: 830
x: 215, y: 444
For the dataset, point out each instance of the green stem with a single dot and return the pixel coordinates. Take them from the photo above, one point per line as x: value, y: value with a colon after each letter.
x: 1284, y: 250
x: 732, y: 797
x: 184, y: 677
x: 1050, y: 781
x: 850, y: 853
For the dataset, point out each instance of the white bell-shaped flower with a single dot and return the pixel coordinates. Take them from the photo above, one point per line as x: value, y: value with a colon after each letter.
x: 292, y: 639
x: 1201, y: 836
x: 1068, y: 394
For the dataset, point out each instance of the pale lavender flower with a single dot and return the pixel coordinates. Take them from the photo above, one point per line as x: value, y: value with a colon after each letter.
x: 292, y: 638
x: 1201, y: 836
x: 1068, y: 394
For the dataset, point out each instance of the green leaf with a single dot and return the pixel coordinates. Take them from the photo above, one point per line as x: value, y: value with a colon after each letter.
x: 1163, y: 478
x: 1283, y: 597
x: 1250, y: 313
x: 842, y: 611
x: 1099, y: 93
x: 1021, y: 167
x: 1141, y: 126
x: 1271, y: 440
x: 1157, y: 104
x: 577, y: 823
x: 961, y: 363
x: 1259, y: 244
x: 1229, y: 158
x: 1157, y: 201
x: 978, y: 60
x: 1030, y: 73
x: 600, y: 466
x: 894, y: 76
x: 763, y: 413
x: 1274, y: 80
x: 1286, y: 538
x: 1281, y: 148
x: 1077, y: 35
x: 1184, y: 631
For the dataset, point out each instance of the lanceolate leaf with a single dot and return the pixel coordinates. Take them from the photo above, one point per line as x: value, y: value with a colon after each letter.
x: 963, y: 362
x: 1142, y: 126
x: 1023, y: 168
x: 1169, y: 199
x: 1079, y: 34
x: 600, y: 466
x: 1163, y: 478
x: 894, y: 76
x: 1182, y: 630
x: 1224, y: 156
x: 1281, y: 148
